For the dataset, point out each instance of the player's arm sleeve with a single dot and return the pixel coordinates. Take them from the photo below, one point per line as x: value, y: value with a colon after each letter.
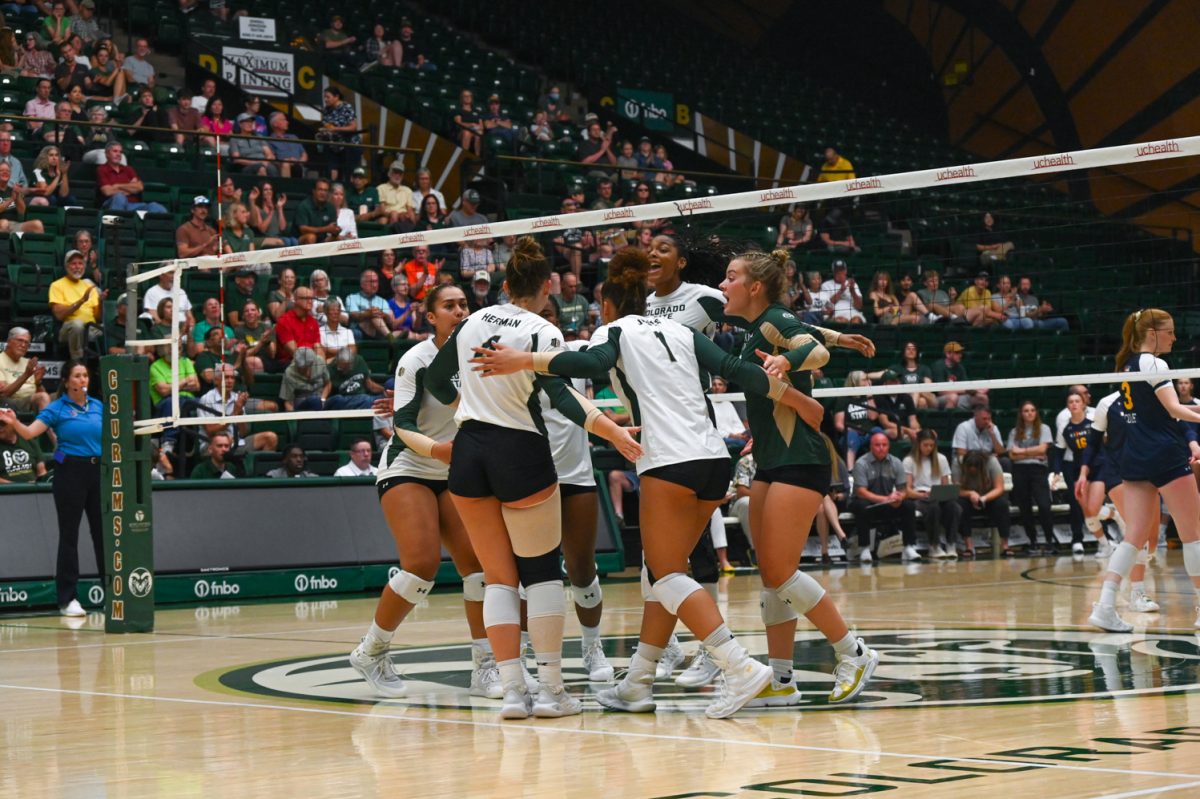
x: 439, y: 376
x: 594, y: 362
x: 407, y: 403
x: 569, y: 402
x: 714, y: 308
x: 805, y: 350
x: 749, y: 376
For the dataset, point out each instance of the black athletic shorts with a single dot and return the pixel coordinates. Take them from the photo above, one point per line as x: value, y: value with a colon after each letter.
x: 708, y: 478
x: 569, y: 490
x: 500, y: 462
x: 1161, y: 476
x: 813, y: 476
x: 436, y: 486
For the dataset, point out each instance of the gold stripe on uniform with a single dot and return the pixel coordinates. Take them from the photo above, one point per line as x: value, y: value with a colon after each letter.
x: 815, y: 360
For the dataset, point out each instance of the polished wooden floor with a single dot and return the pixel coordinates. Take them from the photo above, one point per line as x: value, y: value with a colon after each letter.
x: 990, y: 684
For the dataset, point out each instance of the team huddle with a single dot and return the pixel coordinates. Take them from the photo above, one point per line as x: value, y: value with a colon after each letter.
x: 490, y: 459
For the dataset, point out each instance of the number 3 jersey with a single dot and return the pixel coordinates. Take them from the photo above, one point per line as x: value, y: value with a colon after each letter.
x: 1154, y: 440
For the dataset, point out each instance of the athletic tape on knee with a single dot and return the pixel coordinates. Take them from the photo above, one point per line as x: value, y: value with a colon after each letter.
x: 647, y: 591
x: 545, y: 599
x: 1191, y: 558
x: 1122, y: 559
x: 410, y: 587
x: 501, y: 605
x: 801, y: 592
x: 541, y: 569
x: 537, y: 529
x: 774, y: 610
x: 589, y: 596
x: 474, y: 586
x: 672, y: 590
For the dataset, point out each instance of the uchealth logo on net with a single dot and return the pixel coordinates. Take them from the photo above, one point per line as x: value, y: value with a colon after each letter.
x: 1052, y: 161
x: 864, y: 184
x: 955, y: 173
x: 774, y: 195
x: 411, y: 238
x: 618, y: 213
x: 315, y: 582
x: 1157, y: 148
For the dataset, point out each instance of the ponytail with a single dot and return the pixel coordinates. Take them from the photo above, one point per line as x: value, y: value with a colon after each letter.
x: 1133, y: 332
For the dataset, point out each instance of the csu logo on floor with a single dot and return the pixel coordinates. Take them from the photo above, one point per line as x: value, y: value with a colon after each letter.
x: 917, y: 668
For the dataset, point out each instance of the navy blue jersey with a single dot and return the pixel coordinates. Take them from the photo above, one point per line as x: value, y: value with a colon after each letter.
x: 1074, y: 438
x: 1109, y: 427
x: 1154, y: 441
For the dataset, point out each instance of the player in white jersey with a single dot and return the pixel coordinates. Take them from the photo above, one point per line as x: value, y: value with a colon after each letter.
x: 580, y: 515
x: 412, y: 493
x: 655, y: 365
x: 503, y: 482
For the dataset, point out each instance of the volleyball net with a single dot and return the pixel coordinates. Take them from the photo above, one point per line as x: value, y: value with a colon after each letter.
x: 1100, y: 232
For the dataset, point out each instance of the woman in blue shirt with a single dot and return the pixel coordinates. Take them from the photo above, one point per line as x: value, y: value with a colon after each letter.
x: 77, y: 421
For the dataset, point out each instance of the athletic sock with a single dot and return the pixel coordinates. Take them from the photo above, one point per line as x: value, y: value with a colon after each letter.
x: 378, y: 638
x: 510, y: 673
x: 782, y: 669
x: 549, y: 667
x: 847, y: 647
x: 590, y: 636
x: 1094, y: 526
x: 483, y: 644
x: 1137, y: 589
x: 1108, y: 593
x: 722, y: 646
x: 644, y: 661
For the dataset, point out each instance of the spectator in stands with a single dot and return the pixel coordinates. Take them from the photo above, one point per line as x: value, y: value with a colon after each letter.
x: 252, y: 105
x: 881, y: 499
x: 1042, y: 313
x: 78, y: 101
x: 20, y: 460
x: 730, y: 426
x: 50, y: 183
x: 795, y: 228
x: 370, y: 316
x: 978, y: 434
x: 382, y: 50
x: 316, y: 219
x: 17, y: 172
x: 353, y: 388
x: 138, y: 69
x: 924, y: 468
x: 810, y: 306
x: 339, y: 125
x: 364, y: 199
x: 121, y: 185
x: 196, y: 237
x: 216, y: 351
x: 228, y: 397
x: 467, y: 214
x: 215, y: 465
x: 84, y: 25
x: 855, y: 418
x: 40, y: 105
x: 297, y: 328
x: 250, y: 152
x: 360, y: 464
x: 482, y: 295
x: 604, y: 199
x: 840, y: 297
x: 63, y: 133
x: 35, y: 62
x: 468, y: 124
x: 911, y: 371
x: 572, y: 306
x: 425, y: 188
x: 476, y: 256
x: 21, y: 376
x: 573, y: 245
x: 539, y: 128
x: 69, y: 72
x: 76, y: 302
x: 897, y: 412
x: 413, y: 55
x: 431, y: 216
x: 336, y: 41
x: 884, y: 304
x: 9, y: 52
x: 238, y: 237
x: 951, y: 370
x: 108, y: 80
x: 211, y: 317
x: 334, y: 335
x: 991, y: 244
x: 214, y: 123
x: 552, y: 104
x: 646, y: 159
x: 290, y: 155
x: 258, y: 335
x: 395, y: 198
x: 627, y: 162
x: 162, y: 291
x: 306, y: 383
x: 282, y: 298
x: 268, y: 217
x: 97, y: 136
x: 937, y: 301
x: 12, y: 206
x: 322, y: 296
x: 835, y: 167
x: 836, y: 234
x: 496, y: 122
x: 597, y: 150
x: 421, y: 272
x: 294, y: 462
x: 208, y: 90
x: 56, y: 27
x: 669, y: 177
x: 981, y: 490
x: 115, y: 327
x: 149, y: 115
x: 981, y: 309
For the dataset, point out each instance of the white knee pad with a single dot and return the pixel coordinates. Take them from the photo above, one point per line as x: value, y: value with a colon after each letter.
x: 545, y: 599
x: 501, y: 605
x: 647, y: 591
x: 1143, y: 556
x: 672, y: 590
x: 1122, y: 559
x: 774, y: 610
x: 410, y: 587
x: 473, y: 587
x: 537, y: 529
x: 589, y: 596
x: 1191, y: 558
x: 801, y: 592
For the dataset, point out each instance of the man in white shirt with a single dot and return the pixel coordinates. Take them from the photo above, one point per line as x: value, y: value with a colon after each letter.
x: 425, y: 186
x: 334, y: 335
x: 841, y: 298
x: 360, y: 461
x: 156, y: 294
